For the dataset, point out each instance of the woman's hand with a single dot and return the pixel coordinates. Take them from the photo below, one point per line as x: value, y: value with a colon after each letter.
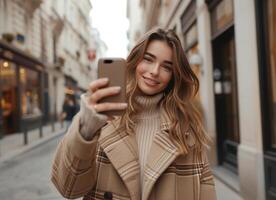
x: 98, y: 90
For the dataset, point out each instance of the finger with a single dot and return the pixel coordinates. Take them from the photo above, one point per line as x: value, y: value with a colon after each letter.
x: 95, y: 85
x: 101, y: 107
x: 104, y: 92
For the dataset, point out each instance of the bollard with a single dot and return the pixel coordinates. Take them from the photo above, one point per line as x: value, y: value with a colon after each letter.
x: 32, y: 122
x: 40, y: 130
x: 53, y: 124
x: 25, y: 136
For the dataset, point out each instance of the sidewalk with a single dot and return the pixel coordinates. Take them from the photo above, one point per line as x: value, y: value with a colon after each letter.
x: 224, y: 192
x: 13, y: 145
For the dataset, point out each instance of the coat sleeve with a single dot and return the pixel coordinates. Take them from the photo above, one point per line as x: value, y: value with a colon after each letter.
x: 207, y: 184
x: 74, y: 170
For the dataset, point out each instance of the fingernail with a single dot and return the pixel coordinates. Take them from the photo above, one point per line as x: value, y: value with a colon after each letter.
x: 105, y: 79
x: 124, y: 105
x: 118, y: 88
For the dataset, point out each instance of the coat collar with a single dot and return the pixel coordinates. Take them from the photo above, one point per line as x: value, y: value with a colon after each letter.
x: 162, y: 153
x: 122, y: 151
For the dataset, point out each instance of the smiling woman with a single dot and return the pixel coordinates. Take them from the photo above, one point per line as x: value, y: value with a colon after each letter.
x: 154, y: 72
x: 156, y: 149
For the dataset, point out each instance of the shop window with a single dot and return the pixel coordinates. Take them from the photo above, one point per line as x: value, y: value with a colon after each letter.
x: 30, y: 92
x: 8, y: 98
x: 271, y: 15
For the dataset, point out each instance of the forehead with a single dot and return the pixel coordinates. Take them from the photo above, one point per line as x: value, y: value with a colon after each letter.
x: 160, y: 49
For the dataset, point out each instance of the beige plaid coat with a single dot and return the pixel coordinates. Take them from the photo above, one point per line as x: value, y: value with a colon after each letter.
x: 108, y: 167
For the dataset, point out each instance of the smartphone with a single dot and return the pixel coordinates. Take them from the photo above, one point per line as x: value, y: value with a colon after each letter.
x: 115, y: 70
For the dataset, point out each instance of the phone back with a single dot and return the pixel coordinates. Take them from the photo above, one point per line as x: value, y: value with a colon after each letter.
x: 115, y: 70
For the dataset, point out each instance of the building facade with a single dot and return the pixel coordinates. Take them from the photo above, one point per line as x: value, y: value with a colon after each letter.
x: 47, y: 51
x: 136, y: 28
x: 231, y: 47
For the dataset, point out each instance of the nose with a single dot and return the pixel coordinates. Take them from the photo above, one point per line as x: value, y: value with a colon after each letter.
x: 155, y: 69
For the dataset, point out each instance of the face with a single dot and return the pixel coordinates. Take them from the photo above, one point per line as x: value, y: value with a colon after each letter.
x: 155, y: 71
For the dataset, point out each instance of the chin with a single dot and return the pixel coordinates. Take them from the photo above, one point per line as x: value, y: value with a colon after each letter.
x: 149, y: 92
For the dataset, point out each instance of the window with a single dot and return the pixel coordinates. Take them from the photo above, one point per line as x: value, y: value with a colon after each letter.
x: 222, y: 15
x: 190, y: 37
x: 30, y: 92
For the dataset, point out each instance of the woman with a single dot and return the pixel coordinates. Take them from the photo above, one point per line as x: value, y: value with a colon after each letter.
x: 156, y: 150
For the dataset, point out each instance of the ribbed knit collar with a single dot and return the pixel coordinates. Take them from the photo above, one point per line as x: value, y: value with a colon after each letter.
x: 149, y: 106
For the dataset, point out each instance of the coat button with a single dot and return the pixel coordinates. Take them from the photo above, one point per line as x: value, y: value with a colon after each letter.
x: 108, y: 196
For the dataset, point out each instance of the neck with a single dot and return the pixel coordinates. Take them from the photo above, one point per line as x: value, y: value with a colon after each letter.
x: 149, y: 105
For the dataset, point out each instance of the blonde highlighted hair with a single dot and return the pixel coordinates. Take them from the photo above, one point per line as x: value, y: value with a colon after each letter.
x: 178, y: 100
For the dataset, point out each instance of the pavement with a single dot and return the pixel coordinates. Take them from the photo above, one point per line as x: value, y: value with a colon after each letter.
x: 12, y: 146
x: 225, y: 193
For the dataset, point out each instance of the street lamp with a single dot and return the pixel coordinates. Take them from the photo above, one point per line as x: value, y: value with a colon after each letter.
x: 196, y: 60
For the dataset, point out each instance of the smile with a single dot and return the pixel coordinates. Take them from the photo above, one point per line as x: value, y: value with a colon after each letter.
x: 150, y: 82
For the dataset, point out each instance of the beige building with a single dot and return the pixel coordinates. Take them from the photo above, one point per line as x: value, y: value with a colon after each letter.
x: 231, y: 47
x: 47, y: 50
x: 136, y: 27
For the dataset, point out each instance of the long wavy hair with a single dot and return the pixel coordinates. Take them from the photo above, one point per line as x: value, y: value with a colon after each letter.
x: 178, y: 97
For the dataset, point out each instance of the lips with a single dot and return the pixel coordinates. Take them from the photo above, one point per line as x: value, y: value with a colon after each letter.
x: 150, y: 81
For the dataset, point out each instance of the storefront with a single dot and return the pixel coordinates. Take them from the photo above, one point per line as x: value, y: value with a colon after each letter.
x: 225, y: 82
x: 21, y: 88
x: 266, y: 26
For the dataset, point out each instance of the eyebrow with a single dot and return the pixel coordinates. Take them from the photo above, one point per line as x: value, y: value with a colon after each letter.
x: 153, y: 56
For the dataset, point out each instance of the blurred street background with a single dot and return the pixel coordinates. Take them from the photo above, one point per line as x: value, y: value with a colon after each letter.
x: 49, y: 51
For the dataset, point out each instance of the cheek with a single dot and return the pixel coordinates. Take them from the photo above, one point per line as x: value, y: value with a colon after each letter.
x: 166, y: 78
x: 139, y: 70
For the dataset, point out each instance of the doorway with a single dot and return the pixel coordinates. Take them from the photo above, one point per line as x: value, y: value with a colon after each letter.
x: 226, y: 99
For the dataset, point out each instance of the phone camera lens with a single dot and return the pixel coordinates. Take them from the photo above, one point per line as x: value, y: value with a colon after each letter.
x: 108, y: 61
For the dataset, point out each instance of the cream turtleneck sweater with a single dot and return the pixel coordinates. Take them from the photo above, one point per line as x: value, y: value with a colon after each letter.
x: 147, y: 124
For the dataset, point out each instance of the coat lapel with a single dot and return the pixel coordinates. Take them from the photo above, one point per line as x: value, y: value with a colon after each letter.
x: 121, y: 149
x: 162, y: 153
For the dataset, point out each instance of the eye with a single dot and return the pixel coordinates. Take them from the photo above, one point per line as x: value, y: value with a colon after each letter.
x: 148, y: 59
x: 167, y: 68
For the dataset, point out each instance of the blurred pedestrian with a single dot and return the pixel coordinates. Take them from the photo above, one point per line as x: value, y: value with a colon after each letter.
x: 156, y: 150
x: 68, y: 110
